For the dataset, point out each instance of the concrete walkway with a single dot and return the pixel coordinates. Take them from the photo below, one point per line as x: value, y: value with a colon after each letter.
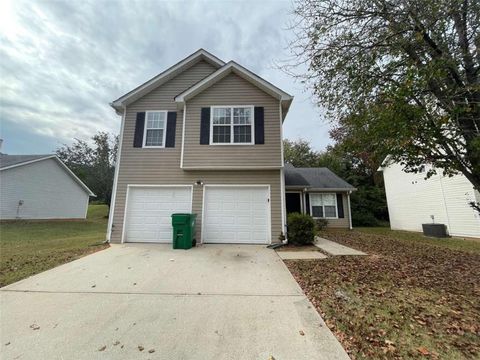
x: 301, y: 255
x: 148, y: 301
x: 334, y: 248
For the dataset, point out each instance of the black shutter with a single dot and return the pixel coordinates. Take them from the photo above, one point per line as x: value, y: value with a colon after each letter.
x: 340, y: 206
x: 307, y: 204
x: 171, y: 127
x: 259, y: 125
x: 139, y: 126
x: 205, y: 126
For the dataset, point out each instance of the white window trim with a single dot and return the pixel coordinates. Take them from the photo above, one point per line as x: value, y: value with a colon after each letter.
x: 164, y: 130
x: 252, y: 142
x: 336, y: 206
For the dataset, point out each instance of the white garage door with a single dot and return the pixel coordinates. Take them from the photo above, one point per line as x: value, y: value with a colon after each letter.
x: 149, y: 211
x: 237, y: 214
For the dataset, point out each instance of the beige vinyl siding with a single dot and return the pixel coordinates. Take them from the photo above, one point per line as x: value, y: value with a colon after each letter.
x: 340, y: 222
x: 162, y: 166
x: 232, y: 90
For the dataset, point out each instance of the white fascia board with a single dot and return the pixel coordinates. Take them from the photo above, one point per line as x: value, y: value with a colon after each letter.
x: 330, y: 189
x: 384, y: 163
x: 230, y: 67
x: 164, y: 77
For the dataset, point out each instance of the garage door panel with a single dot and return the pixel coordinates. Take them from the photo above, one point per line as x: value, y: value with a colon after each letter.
x: 149, y: 211
x: 236, y: 214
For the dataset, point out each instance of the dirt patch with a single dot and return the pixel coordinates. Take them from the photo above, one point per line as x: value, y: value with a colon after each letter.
x: 406, y: 300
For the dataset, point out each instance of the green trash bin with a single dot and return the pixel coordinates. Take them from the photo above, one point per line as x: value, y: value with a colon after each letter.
x: 183, y: 230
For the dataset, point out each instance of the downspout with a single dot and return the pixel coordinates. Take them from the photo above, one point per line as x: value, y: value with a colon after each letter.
x: 115, y: 178
x: 349, y: 210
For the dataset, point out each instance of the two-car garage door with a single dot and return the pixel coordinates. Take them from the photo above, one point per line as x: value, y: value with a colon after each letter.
x: 232, y: 214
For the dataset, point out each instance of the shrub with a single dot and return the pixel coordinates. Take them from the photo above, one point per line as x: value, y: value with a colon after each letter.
x: 301, y: 229
x: 364, y: 219
x: 320, y: 224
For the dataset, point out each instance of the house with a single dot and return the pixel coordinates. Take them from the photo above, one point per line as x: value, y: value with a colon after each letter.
x: 204, y: 136
x: 40, y: 187
x: 319, y: 193
x: 413, y: 200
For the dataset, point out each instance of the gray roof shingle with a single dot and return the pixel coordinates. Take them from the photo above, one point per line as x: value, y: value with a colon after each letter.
x: 318, y: 178
x: 10, y: 160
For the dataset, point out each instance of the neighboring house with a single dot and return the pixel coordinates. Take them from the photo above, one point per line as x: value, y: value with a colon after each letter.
x: 205, y: 137
x: 40, y: 187
x: 319, y: 193
x: 412, y: 201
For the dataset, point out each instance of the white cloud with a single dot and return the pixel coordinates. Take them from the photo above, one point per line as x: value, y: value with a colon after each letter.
x: 61, y: 63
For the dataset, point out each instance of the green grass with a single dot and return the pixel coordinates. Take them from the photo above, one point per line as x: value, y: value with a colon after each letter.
x: 453, y: 243
x: 30, y: 247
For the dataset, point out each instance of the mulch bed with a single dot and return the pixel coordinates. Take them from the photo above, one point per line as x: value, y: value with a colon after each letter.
x: 405, y: 300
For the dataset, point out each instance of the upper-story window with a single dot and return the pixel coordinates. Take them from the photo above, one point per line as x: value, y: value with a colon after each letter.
x: 156, y: 122
x: 232, y: 125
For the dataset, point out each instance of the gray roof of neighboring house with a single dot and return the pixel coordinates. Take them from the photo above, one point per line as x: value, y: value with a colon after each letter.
x: 317, y: 178
x: 10, y: 160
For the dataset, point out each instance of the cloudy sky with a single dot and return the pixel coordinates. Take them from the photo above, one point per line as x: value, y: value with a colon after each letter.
x: 62, y: 62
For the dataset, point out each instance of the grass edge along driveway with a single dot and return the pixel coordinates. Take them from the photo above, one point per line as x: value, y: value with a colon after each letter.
x: 30, y: 247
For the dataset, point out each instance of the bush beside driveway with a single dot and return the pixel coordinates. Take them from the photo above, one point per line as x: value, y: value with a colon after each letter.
x: 412, y: 297
x: 30, y: 247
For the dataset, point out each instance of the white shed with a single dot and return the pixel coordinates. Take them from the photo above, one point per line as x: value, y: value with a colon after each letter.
x: 412, y: 201
x: 40, y: 187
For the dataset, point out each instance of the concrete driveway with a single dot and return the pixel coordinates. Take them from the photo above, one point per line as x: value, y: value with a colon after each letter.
x: 147, y: 301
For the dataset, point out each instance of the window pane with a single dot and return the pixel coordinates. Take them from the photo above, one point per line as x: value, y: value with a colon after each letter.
x: 316, y: 199
x: 329, y: 199
x: 221, y: 134
x: 154, y: 138
x: 330, y: 211
x: 155, y: 120
x: 242, y: 116
x: 317, y: 211
x: 221, y: 116
x: 242, y: 134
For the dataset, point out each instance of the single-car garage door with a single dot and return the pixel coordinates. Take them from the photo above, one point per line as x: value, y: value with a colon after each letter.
x: 237, y: 214
x: 149, y: 210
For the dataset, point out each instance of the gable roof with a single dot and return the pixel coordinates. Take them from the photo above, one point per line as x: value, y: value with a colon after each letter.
x: 13, y: 161
x: 233, y: 67
x: 320, y: 178
x: 163, y: 77
x: 7, y: 161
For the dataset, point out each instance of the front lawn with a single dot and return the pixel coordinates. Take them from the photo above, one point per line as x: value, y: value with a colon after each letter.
x: 412, y: 297
x: 30, y: 247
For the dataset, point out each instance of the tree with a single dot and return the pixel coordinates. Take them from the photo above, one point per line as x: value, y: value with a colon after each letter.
x: 299, y: 153
x: 94, y: 165
x: 397, y: 77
